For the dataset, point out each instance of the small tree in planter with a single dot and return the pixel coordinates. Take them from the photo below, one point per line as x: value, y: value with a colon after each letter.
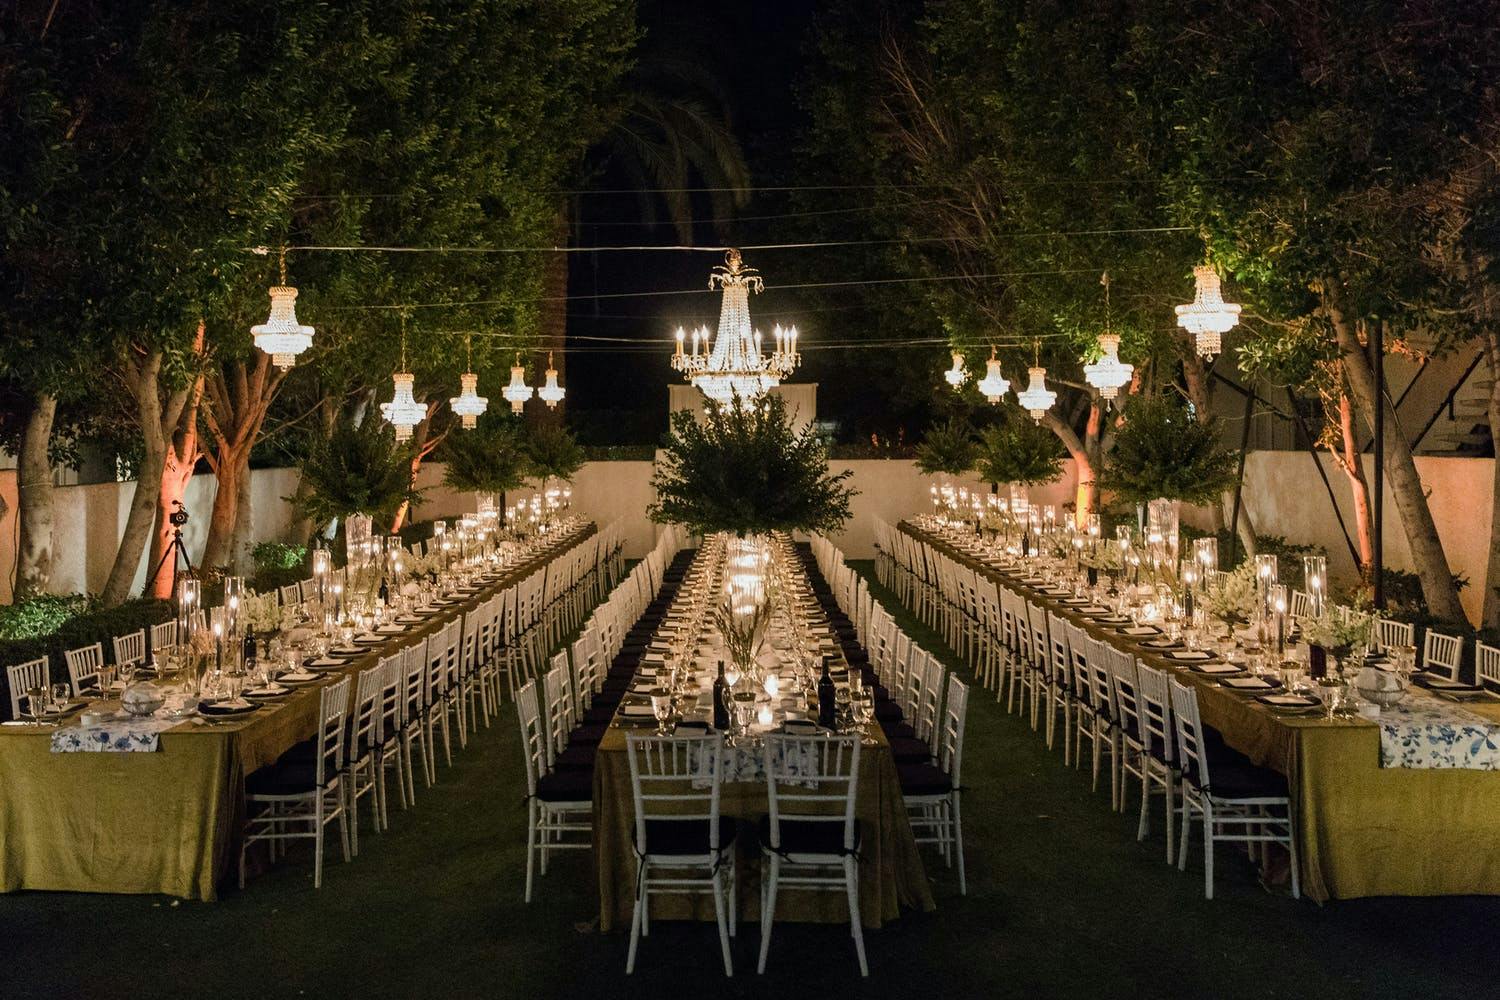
x: 745, y: 469
x: 491, y: 458
x: 949, y: 449
x: 1019, y: 451
x: 552, y: 453
x: 357, y: 470
x: 1162, y: 452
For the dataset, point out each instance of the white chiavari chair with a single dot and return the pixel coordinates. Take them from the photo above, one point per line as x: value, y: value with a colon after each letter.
x: 1158, y: 739
x: 361, y: 761
x: 130, y: 649
x: 23, y: 677
x: 931, y: 791
x: 1486, y: 665
x: 559, y: 804
x: 810, y: 838
x: 1442, y: 654
x: 414, y: 669
x: 1237, y: 801
x: 83, y: 667
x: 682, y: 842
x: 303, y: 790
x: 163, y: 635
x: 1392, y: 635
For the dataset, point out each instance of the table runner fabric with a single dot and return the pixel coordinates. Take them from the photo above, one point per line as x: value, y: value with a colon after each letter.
x: 123, y: 735
x: 167, y: 822
x: 891, y: 873
x: 1362, y: 829
x: 1424, y: 731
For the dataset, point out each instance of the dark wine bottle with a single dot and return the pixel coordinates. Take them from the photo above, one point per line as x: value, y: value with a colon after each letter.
x: 721, y: 701
x: 385, y: 592
x: 827, y: 698
x: 249, y: 647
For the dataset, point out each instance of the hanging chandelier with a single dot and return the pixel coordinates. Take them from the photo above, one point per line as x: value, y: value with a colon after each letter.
x: 734, y: 366
x: 1037, y: 399
x: 994, y: 385
x: 551, y: 393
x: 1208, y: 317
x: 281, y: 336
x: 517, y: 392
x: 1108, y: 374
x: 403, y: 412
x: 956, y: 376
x: 468, y: 404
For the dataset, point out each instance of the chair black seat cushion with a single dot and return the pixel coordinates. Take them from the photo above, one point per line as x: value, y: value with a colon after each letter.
x: 898, y: 731
x: 587, y: 735
x: 887, y: 711
x: 600, y: 714
x: 923, y: 779
x: 909, y: 750
x: 806, y: 837
x: 1232, y: 776
x: 566, y: 786
x: 577, y: 758
x: 685, y: 836
x: 285, y: 777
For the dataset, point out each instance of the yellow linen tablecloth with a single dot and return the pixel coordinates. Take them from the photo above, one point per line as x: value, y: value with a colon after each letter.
x: 170, y: 821
x: 1362, y: 829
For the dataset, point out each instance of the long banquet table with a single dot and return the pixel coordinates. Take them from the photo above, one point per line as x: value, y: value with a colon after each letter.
x: 1362, y: 829
x: 891, y: 874
x: 170, y: 821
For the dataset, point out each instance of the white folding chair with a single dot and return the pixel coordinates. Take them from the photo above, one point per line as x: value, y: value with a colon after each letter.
x: 931, y: 792
x: 130, y: 649
x: 559, y: 804
x: 23, y: 677
x: 83, y: 666
x: 1442, y: 654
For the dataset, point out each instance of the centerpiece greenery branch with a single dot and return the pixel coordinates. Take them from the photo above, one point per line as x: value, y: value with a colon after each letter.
x: 491, y: 458
x: 745, y: 469
x: 357, y: 470
x: 1019, y: 451
x: 948, y: 449
x: 1162, y: 451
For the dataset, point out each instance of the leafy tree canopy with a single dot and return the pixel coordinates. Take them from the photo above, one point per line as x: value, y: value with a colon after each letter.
x: 948, y: 449
x: 1018, y: 451
x: 358, y: 470
x: 491, y: 458
x: 1163, y: 451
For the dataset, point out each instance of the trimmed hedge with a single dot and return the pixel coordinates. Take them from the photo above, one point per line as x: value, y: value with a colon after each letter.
x: 99, y: 625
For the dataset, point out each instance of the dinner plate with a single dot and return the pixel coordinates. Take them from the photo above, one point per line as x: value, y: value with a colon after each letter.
x: 1140, y: 631
x: 1444, y: 684
x: 215, y: 708
x: 1289, y: 701
x: 1249, y: 684
x: 295, y: 679
x: 325, y: 663
x: 268, y: 694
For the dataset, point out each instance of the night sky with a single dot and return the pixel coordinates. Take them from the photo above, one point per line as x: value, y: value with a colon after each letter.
x: 619, y: 395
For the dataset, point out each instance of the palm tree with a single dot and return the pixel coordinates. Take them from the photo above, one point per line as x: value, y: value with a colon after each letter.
x: 673, y: 132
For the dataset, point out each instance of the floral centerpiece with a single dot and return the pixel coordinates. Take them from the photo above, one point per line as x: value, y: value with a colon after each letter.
x: 262, y: 612
x: 1233, y: 595
x: 1338, y: 631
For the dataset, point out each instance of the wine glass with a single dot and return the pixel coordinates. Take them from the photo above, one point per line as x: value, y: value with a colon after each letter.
x: 60, y: 693
x: 39, y: 699
x: 661, y: 707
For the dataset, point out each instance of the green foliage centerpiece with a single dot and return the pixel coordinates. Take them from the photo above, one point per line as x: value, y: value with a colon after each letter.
x: 491, y: 458
x: 1164, y: 452
x: 357, y: 470
x: 744, y: 469
x: 948, y: 449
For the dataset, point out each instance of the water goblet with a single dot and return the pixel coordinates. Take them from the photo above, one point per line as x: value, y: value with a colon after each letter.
x: 60, y: 693
x: 39, y: 698
x: 661, y: 707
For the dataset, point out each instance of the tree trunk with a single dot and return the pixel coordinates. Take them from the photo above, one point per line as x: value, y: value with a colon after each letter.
x: 1491, y: 613
x: 143, y: 382
x: 1428, y: 559
x: 303, y: 527
x: 1195, y: 377
x: 1350, y: 462
x: 1087, y: 495
x: 239, y: 397
x: 243, y: 540
x: 180, y: 458
x: 34, y: 501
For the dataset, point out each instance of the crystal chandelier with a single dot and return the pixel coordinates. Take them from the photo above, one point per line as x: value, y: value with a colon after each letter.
x: 281, y: 336
x: 956, y: 376
x: 403, y: 412
x: 993, y: 385
x: 551, y: 393
x: 468, y: 404
x: 1108, y: 374
x: 1037, y: 399
x: 1208, y: 316
x: 517, y: 392
x: 734, y: 366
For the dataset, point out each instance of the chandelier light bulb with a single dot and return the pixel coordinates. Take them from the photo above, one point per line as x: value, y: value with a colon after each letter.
x: 468, y: 404
x: 517, y: 392
x: 1037, y: 399
x: 1208, y: 317
x: 281, y: 336
x: 994, y: 385
x: 1108, y: 374
x: 956, y: 376
x: 403, y: 412
x: 551, y: 393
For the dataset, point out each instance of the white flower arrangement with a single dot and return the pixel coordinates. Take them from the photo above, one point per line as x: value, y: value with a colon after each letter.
x: 1233, y: 596
x: 1339, y: 629
x: 262, y: 612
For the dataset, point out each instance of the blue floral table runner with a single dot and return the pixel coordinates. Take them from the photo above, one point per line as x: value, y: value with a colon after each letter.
x: 1424, y: 731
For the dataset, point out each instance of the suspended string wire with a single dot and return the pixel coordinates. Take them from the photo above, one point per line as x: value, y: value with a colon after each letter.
x: 682, y: 248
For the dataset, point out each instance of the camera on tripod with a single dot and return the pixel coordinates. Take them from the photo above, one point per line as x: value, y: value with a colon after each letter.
x: 178, y: 517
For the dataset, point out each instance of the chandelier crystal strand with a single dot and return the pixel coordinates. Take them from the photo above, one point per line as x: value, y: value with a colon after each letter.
x: 733, y: 365
x: 994, y: 385
x: 1208, y: 317
x: 1108, y: 374
x: 957, y: 375
x: 517, y: 392
x: 403, y: 412
x: 468, y: 404
x: 551, y: 393
x: 1037, y: 399
x: 281, y: 336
